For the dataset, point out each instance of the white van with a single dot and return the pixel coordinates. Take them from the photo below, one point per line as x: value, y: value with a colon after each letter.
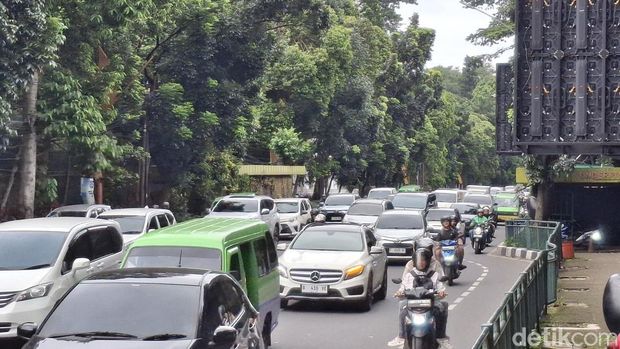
x: 447, y: 197
x: 478, y: 189
x: 41, y: 258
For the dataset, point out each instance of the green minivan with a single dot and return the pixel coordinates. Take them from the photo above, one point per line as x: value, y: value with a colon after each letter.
x: 241, y: 247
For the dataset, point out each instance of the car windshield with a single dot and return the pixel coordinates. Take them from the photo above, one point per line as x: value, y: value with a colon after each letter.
x: 412, y: 221
x: 21, y: 250
x: 480, y: 199
x: 446, y: 197
x: 365, y: 209
x: 506, y: 202
x: 237, y: 205
x: 68, y: 214
x: 340, y: 200
x: 410, y: 201
x: 331, y: 240
x: 379, y: 194
x: 465, y: 208
x: 129, y: 224
x: 182, y: 257
x: 287, y: 207
x: 141, y: 310
x: 435, y: 215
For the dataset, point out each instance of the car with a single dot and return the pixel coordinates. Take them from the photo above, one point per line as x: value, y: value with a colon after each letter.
x: 249, y: 206
x: 446, y: 197
x: 136, y: 222
x: 336, y: 206
x: 149, y: 308
x: 434, y: 215
x: 507, y: 206
x: 510, y: 189
x: 381, y: 193
x: 366, y: 211
x: 338, y: 261
x: 482, y: 199
x: 41, y: 258
x: 415, y: 201
x: 86, y: 210
x: 412, y: 188
x: 294, y: 213
x: 242, y: 247
x: 396, y: 231
x: 468, y: 211
x: 495, y: 190
x: 478, y: 189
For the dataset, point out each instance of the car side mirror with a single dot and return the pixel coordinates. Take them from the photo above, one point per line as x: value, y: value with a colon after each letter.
x: 376, y: 250
x: 80, y: 264
x: 208, y: 211
x: 281, y: 246
x: 225, y: 336
x: 264, y: 211
x: 27, y: 330
x: 236, y: 274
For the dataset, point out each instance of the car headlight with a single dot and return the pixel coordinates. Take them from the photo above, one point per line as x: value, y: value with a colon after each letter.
x: 35, y: 292
x: 283, y: 272
x: 353, y: 272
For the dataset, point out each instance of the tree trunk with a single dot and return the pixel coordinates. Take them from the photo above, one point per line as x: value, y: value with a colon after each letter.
x: 541, y: 195
x: 28, y: 159
x: 9, y: 186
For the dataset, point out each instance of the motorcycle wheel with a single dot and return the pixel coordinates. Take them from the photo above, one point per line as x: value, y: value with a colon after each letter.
x: 450, y: 276
x: 418, y: 343
x: 477, y: 248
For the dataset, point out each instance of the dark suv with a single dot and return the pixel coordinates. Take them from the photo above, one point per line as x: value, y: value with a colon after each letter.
x: 336, y: 206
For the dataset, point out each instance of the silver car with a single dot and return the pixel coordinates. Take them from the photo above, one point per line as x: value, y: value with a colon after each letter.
x: 396, y: 231
x: 249, y: 206
x: 295, y: 213
x: 366, y: 211
x: 136, y: 222
x: 81, y: 210
x: 334, y: 262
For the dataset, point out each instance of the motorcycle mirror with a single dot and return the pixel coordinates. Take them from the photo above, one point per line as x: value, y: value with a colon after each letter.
x: 397, y: 281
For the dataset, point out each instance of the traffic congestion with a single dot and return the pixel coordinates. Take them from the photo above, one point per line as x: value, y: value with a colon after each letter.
x: 92, y: 274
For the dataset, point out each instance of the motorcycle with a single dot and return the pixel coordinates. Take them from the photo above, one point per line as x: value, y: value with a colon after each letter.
x: 450, y: 261
x: 421, y: 326
x: 480, y: 238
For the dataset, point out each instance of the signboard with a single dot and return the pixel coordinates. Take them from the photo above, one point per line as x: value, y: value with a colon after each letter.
x: 594, y: 175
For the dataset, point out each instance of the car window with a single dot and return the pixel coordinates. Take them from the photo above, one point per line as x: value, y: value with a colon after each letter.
x: 263, y: 204
x: 21, y: 250
x: 400, y: 222
x: 389, y: 205
x: 269, y: 204
x: 446, y: 197
x: 435, y: 215
x: 223, y: 304
x: 170, y: 218
x: 163, y: 221
x: 262, y: 256
x: 105, y: 242
x: 129, y: 224
x: 93, y: 214
x: 371, y: 240
x: 171, y: 256
x: 410, y: 201
x: 235, y: 266
x: 288, y: 207
x: 153, y: 224
x: 80, y: 247
x: 365, y: 209
x: 271, y: 252
x: 237, y: 205
x: 329, y: 240
x: 340, y: 200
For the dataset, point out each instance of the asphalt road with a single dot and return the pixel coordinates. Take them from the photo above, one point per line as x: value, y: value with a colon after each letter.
x: 473, y: 299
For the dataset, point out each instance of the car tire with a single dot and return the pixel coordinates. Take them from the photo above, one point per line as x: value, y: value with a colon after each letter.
x: 266, y: 334
x: 276, y: 233
x: 283, y: 303
x: 366, y: 303
x: 383, y: 291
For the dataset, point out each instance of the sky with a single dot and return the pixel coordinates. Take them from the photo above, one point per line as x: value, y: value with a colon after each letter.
x: 452, y: 24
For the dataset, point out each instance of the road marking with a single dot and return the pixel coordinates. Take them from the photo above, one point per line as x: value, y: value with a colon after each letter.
x: 465, y: 294
x: 451, y: 306
x: 471, y: 288
x: 476, y: 283
x: 480, y: 279
x: 485, y: 272
x: 458, y: 300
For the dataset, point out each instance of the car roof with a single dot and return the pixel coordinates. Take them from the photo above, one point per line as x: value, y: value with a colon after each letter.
x: 466, y: 203
x: 370, y: 201
x: 445, y: 191
x: 79, y: 207
x: 203, y: 232
x: 402, y: 213
x: 383, y: 188
x: 53, y: 224
x: 169, y: 276
x: 477, y: 194
x: 342, y: 194
x: 414, y: 194
x: 290, y: 200
x: 132, y: 212
x: 246, y: 196
x: 441, y: 209
x: 349, y: 227
x: 506, y: 194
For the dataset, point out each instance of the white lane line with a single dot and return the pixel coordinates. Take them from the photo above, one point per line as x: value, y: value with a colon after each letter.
x: 451, y: 306
x: 471, y: 288
x: 480, y: 279
x: 458, y: 300
x: 485, y: 272
x: 476, y: 283
x: 465, y: 294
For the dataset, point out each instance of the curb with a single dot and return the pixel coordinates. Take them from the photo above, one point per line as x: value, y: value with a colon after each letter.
x: 516, y: 252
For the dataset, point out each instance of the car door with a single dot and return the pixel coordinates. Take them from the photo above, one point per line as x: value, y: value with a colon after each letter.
x: 305, y: 216
x: 78, y: 247
x: 153, y: 224
x: 107, y: 248
x: 376, y: 261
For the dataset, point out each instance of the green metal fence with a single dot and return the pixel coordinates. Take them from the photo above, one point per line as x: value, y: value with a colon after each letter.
x: 527, y: 300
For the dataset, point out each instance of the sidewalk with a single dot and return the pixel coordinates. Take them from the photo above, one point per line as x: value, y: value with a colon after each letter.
x: 576, y: 320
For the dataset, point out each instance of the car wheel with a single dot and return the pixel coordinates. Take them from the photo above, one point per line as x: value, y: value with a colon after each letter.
x: 383, y: 291
x: 267, y: 332
x: 276, y: 233
x: 366, y: 303
x: 283, y: 303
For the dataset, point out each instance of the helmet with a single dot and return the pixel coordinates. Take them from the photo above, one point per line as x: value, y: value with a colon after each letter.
x: 486, y: 208
x: 454, y: 218
x: 320, y: 218
x: 424, y: 242
x: 423, y: 259
x: 479, y: 211
x: 445, y: 219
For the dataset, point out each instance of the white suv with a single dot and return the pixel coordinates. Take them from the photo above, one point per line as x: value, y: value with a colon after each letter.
x: 136, y: 222
x: 249, y: 206
x: 41, y: 258
x: 294, y: 214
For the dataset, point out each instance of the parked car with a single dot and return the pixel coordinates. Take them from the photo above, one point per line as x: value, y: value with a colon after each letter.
x: 396, y: 231
x: 366, y: 211
x: 90, y: 211
x: 294, y: 213
x: 434, y: 215
x: 41, y: 258
x: 333, y: 262
x: 481, y: 199
x: 336, y: 206
x: 446, y: 197
x: 381, y: 193
x: 242, y: 247
x: 249, y: 206
x: 136, y: 222
x: 507, y: 206
x: 415, y: 201
x: 468, y: 211
x: 149, y: 308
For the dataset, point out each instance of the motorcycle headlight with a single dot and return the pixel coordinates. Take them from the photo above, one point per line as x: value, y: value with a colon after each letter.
x: 449, y: 258
x: 35, y: 292
x: 419, y: 319
x: 283, y: 272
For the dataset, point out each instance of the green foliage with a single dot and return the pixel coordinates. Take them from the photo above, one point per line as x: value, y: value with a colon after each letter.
x: 286, y: 142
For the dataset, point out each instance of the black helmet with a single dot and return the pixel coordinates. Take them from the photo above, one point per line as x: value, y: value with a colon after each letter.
x: 423, y: 256
x: 445, y: 219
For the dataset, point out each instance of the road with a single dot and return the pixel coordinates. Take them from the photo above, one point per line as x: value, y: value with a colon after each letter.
x: 473, y: 299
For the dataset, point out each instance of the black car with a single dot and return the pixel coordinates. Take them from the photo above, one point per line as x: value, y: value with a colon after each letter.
x: 336, y: 206
x: 149, y: 308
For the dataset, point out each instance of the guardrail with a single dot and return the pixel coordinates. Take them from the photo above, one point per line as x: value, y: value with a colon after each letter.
x: 527, y: 300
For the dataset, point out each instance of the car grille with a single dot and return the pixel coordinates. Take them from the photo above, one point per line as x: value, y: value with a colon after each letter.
x: 319, y: 276
x: 6, y: 298
x: 297, y: 292
x: 5, y: 327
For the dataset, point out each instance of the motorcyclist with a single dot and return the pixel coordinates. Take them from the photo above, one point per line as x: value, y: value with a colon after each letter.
x: 491, y: 219
x: 455, y: 221
x: 447, y: 233
x: 422, y: 275
x: 428, y: 244
x: 480, y: 219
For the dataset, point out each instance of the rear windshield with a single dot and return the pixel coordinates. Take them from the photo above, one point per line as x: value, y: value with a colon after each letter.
x: 365, y: 209
x: 237, y: 205
x: 506, y: 202
x: 68, y: 214
x: 465, y: 208
x: 129, y: 224
x: 485, y: 200
x: 435, y: 215
x: 446, y: 197
x: 341, y: 200
x: 410, y: 201
x: 287, y: 207
x: 320, y: 240
x: 182, y: 257
x: 379, y: 194
x: 413, y: 221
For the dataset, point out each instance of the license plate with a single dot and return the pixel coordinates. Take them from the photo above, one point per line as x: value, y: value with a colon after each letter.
x: 397, y: 250
x: 336, y: 218
x: 314, y: 289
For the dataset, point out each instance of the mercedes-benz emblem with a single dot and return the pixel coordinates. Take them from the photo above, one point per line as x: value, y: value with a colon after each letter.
x: 315, y: 276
